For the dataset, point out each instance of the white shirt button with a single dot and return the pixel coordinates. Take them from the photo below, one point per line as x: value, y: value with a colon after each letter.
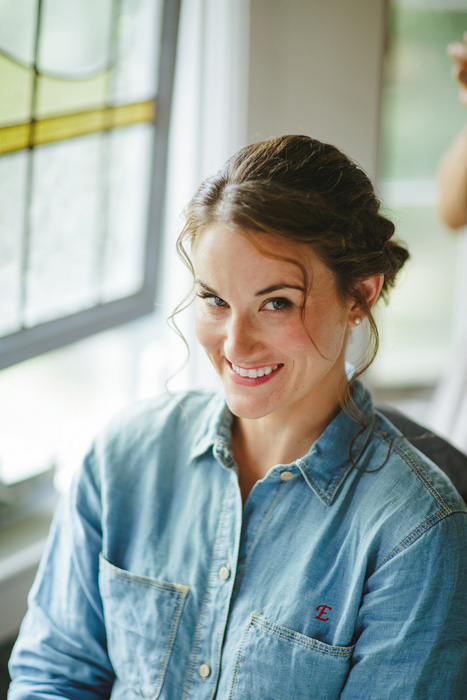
x: 204, y: 670
x: 224, y: 572
x: 286, y: 476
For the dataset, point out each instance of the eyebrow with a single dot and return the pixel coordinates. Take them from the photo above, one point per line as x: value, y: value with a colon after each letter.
x: 261, y: 292
x: 276, y: 287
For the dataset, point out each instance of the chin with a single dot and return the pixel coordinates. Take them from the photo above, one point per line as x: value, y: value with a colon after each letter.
x: 247, y: 407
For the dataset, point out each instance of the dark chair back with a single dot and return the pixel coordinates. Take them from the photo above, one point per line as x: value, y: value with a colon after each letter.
x: 448, y: 458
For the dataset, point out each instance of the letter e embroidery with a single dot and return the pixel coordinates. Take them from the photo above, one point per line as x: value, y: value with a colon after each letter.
x: 322, y: 612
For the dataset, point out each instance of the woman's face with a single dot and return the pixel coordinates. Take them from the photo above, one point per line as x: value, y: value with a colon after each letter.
x: 269, y: 358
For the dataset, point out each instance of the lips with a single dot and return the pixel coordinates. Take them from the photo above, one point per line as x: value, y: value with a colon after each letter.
x: 253, y: 376
x: 255, y: 372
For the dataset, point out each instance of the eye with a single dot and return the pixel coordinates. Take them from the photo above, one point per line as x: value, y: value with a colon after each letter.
x: 278, y: 304
x: 211, y: 299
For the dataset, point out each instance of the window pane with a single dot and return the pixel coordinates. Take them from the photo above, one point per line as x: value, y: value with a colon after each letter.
x: 13, y: 173
x: 17, y: 43
x: 60, y: 96
x: 15, y: 92
x: 75, y: 37
x: 130, y: 166
x: 18, y: 29
x: 66, y: 228
x: 136, y: 69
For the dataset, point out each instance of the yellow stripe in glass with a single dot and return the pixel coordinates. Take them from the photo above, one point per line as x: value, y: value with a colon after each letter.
x: 15, y: 138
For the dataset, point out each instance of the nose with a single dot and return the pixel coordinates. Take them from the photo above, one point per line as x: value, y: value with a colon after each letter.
x: 242, y: 339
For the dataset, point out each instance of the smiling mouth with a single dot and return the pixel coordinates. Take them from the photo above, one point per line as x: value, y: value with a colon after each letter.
x: 256, y: 372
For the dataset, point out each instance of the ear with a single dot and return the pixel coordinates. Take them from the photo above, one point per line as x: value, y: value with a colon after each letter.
x: 369, y: 290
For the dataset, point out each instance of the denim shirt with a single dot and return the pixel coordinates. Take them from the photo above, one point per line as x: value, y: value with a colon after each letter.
x: 334, y: 579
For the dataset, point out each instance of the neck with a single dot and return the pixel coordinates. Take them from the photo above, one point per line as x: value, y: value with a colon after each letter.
x: 285, y: 435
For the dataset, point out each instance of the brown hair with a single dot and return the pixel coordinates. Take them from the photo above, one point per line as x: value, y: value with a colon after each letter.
x: 306, y: 191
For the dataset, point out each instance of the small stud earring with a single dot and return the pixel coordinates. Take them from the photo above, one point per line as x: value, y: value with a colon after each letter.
x: 357, y: 320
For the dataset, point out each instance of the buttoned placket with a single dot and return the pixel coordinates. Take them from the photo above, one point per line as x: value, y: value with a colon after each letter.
x: 206, y: 654
x: 231, y: 548
x: 257, y: 511
x: 257, y: 508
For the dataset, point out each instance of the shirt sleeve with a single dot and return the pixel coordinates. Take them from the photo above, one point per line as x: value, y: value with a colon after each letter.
x: 61, y: 649
x: 411, y: 629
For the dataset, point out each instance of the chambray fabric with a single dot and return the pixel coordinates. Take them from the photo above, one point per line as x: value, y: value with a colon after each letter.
x: 158, y: 583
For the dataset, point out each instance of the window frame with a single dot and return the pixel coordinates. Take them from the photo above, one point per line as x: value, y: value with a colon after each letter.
x: 31, y: 341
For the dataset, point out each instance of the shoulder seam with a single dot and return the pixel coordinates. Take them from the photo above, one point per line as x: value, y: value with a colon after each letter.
x: 418, y: 532
x: 411, y: 463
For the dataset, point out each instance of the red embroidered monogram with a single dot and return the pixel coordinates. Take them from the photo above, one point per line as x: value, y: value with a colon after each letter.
x: 322, y: 612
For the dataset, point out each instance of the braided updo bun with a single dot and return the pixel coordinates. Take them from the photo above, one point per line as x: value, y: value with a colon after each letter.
x: 307, y: 191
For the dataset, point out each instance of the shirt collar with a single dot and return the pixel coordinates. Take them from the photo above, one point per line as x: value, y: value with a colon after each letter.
x: 215, y: 429
x: 329, y: 460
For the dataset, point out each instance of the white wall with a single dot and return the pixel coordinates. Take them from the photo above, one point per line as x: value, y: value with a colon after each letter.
x: 315, y: 68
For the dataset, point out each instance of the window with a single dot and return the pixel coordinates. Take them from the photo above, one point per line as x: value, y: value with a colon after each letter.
x: 421, y: 115
x: 85, y: 91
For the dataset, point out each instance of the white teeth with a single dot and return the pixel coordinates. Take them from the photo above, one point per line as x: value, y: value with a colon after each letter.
x: 254, y: 373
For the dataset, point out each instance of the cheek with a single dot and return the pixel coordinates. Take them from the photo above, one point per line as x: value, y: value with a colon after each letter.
x: 327, y: 331
x: 207, y: 332
x: 297, y: 340
x: 291, y: 339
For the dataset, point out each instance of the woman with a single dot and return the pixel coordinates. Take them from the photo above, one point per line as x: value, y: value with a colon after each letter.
x: 280, y: 539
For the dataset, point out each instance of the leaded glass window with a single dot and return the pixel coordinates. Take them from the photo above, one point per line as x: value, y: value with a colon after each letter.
x: 85, y: 89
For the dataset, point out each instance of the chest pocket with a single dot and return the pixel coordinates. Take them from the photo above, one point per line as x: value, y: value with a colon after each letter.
x: 141, y: 619
x: 276, y: 662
